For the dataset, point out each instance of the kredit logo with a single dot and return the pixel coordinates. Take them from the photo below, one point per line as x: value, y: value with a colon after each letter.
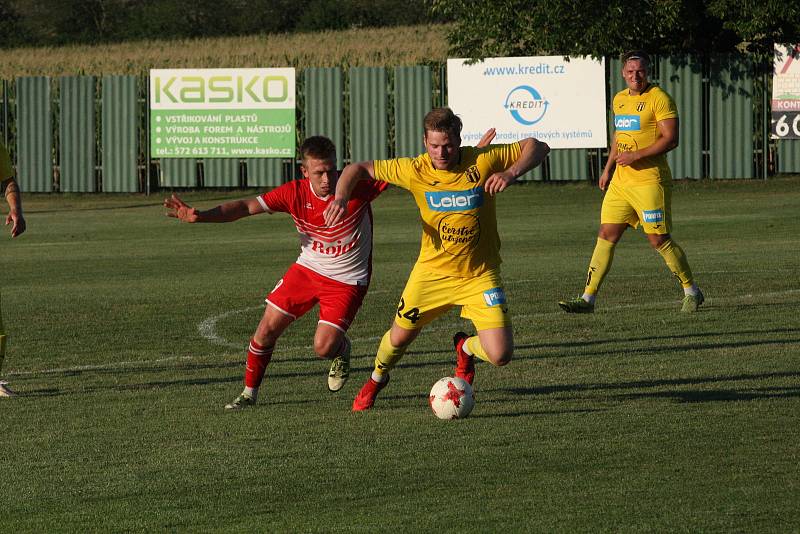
x: 192, y: 89
x: 627, y: 122
x: 455, y: 200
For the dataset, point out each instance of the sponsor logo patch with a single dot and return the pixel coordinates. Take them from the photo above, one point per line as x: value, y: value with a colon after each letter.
x: 653, y: 216
x: 473, y: 174
x: 455, y: 200
x: 629, y: 123
x: 494, y: 296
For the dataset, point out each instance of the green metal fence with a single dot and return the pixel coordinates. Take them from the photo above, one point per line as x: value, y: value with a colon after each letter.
x: 368, y: 113
x: 682, y: 78
x: 324, y: 106
x: 120, y: 139
x: 59, y: 143
x: 413, y: 92
x: 77, y: 135
x: 34, y: 156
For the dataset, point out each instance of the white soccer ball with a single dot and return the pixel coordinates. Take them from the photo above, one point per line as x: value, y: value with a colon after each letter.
x: 451, y: 398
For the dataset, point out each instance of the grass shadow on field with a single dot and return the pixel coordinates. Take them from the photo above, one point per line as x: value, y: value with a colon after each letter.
x: 534, y: 412
x: 767, y: 338
x: 746, y: 392
x: 131, y: 374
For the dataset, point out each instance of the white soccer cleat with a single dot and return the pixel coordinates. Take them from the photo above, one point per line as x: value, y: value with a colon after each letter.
x: 340, y: 368
x: 5, y: 391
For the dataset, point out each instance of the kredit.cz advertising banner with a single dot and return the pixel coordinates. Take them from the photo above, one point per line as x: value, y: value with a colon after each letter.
x: 559, y: 101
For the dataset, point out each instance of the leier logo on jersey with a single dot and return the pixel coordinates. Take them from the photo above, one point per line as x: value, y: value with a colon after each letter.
x: 630, y: 123
x: 469, y: 199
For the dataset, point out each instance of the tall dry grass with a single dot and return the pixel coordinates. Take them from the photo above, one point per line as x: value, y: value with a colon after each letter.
x: 402, y: 45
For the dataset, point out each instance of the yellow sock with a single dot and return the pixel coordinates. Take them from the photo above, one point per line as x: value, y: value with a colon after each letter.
x: 599, y: 265
x: 476, y: 349
x: 388, y: 355
x: 676, y: 261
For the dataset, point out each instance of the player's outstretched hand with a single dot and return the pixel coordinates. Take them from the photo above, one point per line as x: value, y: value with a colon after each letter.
x: 335, y: 211
x: 179, y: 209
x: 498, y: 182
x: 18, y: 222
x: 487, y: 138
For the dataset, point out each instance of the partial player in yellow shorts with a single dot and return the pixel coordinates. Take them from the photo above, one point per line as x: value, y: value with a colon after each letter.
x: 10, y: 190
x: 428, y: 295
x: 648, y: 205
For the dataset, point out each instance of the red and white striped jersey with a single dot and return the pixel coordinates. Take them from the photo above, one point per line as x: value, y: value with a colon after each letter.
x: 342, y: 252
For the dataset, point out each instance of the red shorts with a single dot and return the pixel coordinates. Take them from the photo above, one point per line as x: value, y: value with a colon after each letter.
x: 301, y: 288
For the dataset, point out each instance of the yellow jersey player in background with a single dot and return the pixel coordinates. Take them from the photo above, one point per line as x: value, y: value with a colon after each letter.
x: 640, y: 192
x: 11, y: 192
x: 459, y: 259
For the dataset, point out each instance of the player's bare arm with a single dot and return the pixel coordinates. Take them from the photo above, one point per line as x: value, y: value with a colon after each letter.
x: 608, y: 170
x: 487, y: 138
x: 227, y: 212
x: 12, y: 195
x: 667, y: 140
x: 532, y: 153
x: 348, y: 179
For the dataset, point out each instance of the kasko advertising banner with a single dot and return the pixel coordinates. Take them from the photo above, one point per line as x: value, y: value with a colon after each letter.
x: 222, y: 113
x: 556, y: 100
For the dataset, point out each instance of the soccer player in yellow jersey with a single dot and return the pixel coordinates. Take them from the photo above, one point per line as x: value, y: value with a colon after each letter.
x: 640, y: 191
x: 11, y: 192
x: 459, y: 259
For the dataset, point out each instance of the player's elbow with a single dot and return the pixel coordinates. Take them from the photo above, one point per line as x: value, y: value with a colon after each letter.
x: 673, y: 144
x: 357, y: 171
x: 543, y: 147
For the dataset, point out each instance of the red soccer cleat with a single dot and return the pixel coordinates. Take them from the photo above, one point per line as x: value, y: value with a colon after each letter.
x: 366, y: 397
x: 465, y: 364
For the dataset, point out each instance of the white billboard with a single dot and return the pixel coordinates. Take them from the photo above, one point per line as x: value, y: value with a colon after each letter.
x: 556, y: 100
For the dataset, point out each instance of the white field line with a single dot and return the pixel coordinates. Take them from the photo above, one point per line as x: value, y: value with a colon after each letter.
x: 207, y: 329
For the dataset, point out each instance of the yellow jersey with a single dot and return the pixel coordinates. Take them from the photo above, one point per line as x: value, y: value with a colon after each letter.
x: 459, y: 221
x: 635, y: 125
x: 6, y: 170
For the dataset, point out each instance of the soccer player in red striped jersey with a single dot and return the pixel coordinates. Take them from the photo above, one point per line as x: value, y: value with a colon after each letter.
x: 334, y: 267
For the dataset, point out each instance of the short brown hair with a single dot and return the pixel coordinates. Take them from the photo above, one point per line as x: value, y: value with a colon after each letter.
x: 442, y: 120
x: 317, y: 147
x: 640, y: 55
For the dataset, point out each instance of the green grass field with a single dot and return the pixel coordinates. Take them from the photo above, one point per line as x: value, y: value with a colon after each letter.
x: 127, y: 337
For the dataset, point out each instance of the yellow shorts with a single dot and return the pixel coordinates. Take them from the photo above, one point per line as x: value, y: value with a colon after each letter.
x: 428, y: 295
x: 649, y: 205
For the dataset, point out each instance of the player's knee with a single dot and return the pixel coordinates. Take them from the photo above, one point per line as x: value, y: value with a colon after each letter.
x: 325, y: 348
x: 499, y: 358
x: 657, y: 240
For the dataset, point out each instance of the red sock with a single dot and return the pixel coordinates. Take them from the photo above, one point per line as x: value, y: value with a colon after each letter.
x: 258, y: 358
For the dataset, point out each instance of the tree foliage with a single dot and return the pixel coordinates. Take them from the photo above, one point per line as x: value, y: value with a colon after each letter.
x: 609, y: 27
